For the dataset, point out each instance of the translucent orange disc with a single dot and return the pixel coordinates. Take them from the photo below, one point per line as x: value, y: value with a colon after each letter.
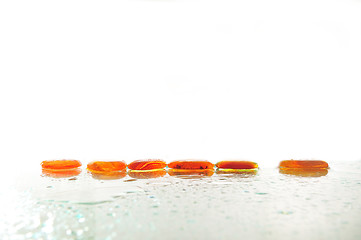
x: 303, y: 164
x: 191, y: 164
x: 190, y: 172
x: 147, y: 164
x: 61, y: 173
x: 305, y: 172
x: 109, y: 175
x: 106, y: 166
x: 60, y: 164
x: 147, y: 173
x: 237, y: 165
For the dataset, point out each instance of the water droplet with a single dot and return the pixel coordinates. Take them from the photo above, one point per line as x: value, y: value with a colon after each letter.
x: 285, y: 212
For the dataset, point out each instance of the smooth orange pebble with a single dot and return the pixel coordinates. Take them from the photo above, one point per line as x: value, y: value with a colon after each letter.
x: 60, y: 164
x: 303, y: 164
x: 236, y: 164
x: 191, y: 164
x: 147, y: 164
x: 190, y: 172
x: 109, y: 175
x: 305, y: 172
x: 61, y: 173
x: 106, y: 166
x: 140, y: 174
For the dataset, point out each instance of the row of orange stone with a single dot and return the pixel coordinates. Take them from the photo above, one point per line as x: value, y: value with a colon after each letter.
x: 190, y: 164
x: 145, y: 174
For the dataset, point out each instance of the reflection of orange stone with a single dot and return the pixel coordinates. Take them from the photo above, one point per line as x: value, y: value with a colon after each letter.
x: 191, y: 164
x: 190, y: 172
x: 106, y: 166
x: 61, y: 173
x: 60, y: 164
x: 303, y: 164
x: 147, y: 164
x: 243, y: 172
x: 145, y: 174
x: 237, y: 165
x: 109, y: 175
x: 305, y: 172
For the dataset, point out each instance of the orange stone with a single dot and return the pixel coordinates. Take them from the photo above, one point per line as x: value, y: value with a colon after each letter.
x: 304, y: 172
x: 190, y: 172
x: 147, y: 164
x: 61, y: 173
x: 147, y: 173
x: 60, y: 164
x: 237, y: 165
x: 109, y: 175
x: 303, y: 164
x: 106, y: 166
x: 191, y: 164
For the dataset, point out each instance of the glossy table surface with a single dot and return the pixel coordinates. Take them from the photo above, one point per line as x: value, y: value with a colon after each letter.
x: 265, y: 205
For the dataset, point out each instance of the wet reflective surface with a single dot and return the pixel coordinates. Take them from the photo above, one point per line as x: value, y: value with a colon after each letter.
x: 307, y: 172
x: 267, y: 204
x: 190, y: 172
x: 147, y: 174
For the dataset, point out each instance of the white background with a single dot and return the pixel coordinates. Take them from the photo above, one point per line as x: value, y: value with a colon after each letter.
x: 215, y: 79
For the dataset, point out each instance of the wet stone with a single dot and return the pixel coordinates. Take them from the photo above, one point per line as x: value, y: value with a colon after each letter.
x: 303, y: 164
x: 229, y: 164
x: 191, y: 164
x: 106, y: 166
x: 60, y: 164
x: 147, y: 164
